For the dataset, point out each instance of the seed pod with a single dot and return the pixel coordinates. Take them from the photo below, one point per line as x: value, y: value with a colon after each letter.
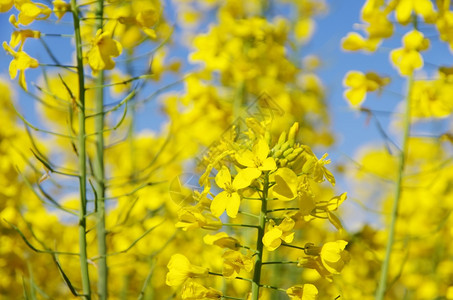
x: 282, y: 138
x: 278, y: 153
x: 294, y: 154
x: 288, y: 152
x: 285, y: 146
x: 292, y: 133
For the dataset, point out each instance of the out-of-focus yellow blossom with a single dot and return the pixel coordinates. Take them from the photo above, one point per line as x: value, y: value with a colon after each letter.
x: 180, y: 269
x: 159, y: 64
x: 60, y: 8
x: 194, y: 291
x: 431, y: 99
x: 303, y: 292
x: 146, y: 19
x: 444, y: 24
x: 13, y: 20
x: 376, y: 25
x: 21, y: 61
x: 234, y: 262
x: 6, y: 5
x: 191, y: 218
x: 19, y: 37
x: 276, y: 234
x: 327, y: 260
x: 103, y: 48
x: 304, y: 29
x: 333, y: 256
x: 31, y: 11
x: 405, y: 8
x: 222, y: 240
x: 408, y: 58
x: 359, y: 84
x: 354, y: 42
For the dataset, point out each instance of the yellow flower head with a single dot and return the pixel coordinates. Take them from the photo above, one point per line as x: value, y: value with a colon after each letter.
x: 180, y: 269
x: 21, y: 61
x: 303, y: 292
x: 234, y: 262
x: 19, y: 37
x: 102, y: 50
x: 229, y: 198
x: 408, y: 58
x: 359, y: 84
x: 333, y: 256
x: 60, y: 8
x: 405, y: 8
x: 327, y: 260
x: 195, y: 291
x: 191, y: 218
x: 222, y: 240
x: 30, y: 11
x: 276, y: 234
x: 6, y: 5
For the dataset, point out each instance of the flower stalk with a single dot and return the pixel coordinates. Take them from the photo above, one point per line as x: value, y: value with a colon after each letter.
x: 99, y: 170
x: 259, y: 241
x: 86, y: 289
x: 380, y: 293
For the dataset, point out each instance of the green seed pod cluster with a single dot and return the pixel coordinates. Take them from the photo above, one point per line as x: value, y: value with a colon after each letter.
x: 286, y: 150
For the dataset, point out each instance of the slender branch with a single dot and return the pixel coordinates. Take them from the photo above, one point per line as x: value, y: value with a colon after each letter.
x: 82, y: 157
x: 99, y: 169
x: 259, y: 240
x: 382, y: 287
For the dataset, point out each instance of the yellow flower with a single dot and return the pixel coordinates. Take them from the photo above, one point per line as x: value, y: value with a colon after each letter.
x: 286, y: 184
x: 405, y: 8
x: 60, y: 8
x: 6, y: 5
x: 195, y: 291
x: 359, y: 84
x: 102, y: 50
x: 19, y: 37
x: 30, y: 11
x: 276, y: 234
x: 191, y: 218
x: 234, y: 262
x: 354, y: 42
x: 21, y: 61
x: 255, y: 162
x: 180, y: 269
x: 408, y: 58
x: 333, y: 256
x: 229, y: 198
x: 303, y: 292
x: 431, y: 99
x: 222, y: 240
x: 146, y: 19
x: 327, y: 260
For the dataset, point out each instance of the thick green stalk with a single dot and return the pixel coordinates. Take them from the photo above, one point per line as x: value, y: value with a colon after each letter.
x: 259, y: 241
x: 380, y: 293
x: 82, y: 157
x: 99, y: 171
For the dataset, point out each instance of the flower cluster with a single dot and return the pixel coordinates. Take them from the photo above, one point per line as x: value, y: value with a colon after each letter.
x: 274, y: 175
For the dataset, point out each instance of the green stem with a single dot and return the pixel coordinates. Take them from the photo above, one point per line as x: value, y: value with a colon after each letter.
x: 279, y: 262
x: 82, y: 158
x: 99, y: 171
x: 380, y: 293
x: 259, y: 241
